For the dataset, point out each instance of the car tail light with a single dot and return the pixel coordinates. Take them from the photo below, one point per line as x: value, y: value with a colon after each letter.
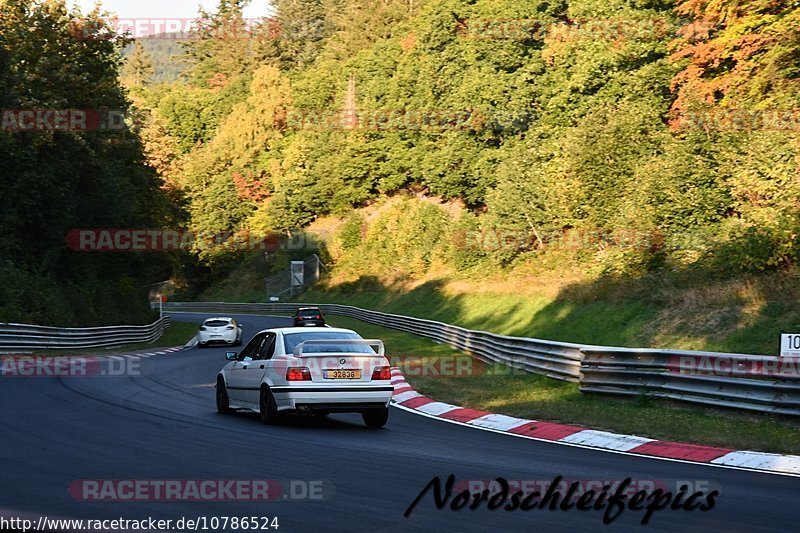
x: 298, y: 374
x: 382, y: 373
x: 202, y: 328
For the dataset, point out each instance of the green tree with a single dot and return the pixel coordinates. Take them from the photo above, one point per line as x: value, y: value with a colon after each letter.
x: 221, y: 47
x: 300, y: 29
x: 138, y: 69
x: 54, y: 58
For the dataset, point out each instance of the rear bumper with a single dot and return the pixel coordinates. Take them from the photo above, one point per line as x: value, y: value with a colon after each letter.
x: 337, y: 407
x: 227, y: 339
x: 340, y: 399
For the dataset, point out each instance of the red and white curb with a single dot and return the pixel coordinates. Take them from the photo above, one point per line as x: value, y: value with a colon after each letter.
x: 409, y: 399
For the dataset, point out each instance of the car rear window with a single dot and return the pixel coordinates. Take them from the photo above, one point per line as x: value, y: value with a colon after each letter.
x: 309, y: 314
x: 216, y: 323
x: 291, y: 340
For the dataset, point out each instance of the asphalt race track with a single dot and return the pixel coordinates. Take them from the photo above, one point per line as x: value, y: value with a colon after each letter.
x: 163, y: 425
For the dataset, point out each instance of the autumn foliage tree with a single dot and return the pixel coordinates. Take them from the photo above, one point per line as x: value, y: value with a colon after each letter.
x: 737, y: 54
x: 593, y: 116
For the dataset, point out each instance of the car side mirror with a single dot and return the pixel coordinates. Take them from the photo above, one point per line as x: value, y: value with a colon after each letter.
x: 231, y: 356
x: 241, y: 325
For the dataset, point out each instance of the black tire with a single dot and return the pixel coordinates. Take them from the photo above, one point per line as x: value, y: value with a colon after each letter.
x: 200, y: 345
x: 267, y: 408
x: 376, y: 418
x: 223, y: 404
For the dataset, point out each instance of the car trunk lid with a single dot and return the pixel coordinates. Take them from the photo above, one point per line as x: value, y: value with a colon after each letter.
x: 341, y: 360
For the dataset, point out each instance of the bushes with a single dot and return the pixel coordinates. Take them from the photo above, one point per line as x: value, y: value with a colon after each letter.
x: 461, y: 249
x: 744, y: 247
x: 405, y: 238
x: 93, y: 300
x: 351, y: 231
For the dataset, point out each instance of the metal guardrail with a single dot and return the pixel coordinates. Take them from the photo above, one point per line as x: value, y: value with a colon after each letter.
x: 751, y: 382
x: 754, y: 382
x: 21, y: 336
x: 557, y: 360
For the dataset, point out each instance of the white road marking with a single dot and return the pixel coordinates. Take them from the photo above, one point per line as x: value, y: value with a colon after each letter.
x: 501, y: 422
x: 437, y: 408
x: 761, y: 461
x: 604, y: 439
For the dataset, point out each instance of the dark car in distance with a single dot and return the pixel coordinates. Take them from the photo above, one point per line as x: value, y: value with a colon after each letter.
x: 309, y: 316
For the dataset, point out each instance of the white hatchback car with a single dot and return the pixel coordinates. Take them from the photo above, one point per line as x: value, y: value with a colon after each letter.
x: 221, y: 330
x: 298, y: 370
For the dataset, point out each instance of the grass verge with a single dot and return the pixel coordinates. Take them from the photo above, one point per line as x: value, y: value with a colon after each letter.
x: 746, y: 316
x: 540, y: 398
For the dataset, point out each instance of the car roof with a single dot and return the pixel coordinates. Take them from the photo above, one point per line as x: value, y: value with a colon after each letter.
x: 288, y: 331
x: 308, y: 308
x: 229, y: 319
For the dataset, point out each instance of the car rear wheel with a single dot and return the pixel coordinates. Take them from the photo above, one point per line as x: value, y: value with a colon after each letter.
x: 223, y: 404
x: 376, y: 418
x: 267, y: 408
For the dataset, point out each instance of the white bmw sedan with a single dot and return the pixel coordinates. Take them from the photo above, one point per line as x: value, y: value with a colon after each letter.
x: 222, y: 330
x: 297, y: 370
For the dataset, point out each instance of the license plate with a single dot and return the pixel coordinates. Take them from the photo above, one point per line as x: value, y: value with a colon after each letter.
x: 343, y: 374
